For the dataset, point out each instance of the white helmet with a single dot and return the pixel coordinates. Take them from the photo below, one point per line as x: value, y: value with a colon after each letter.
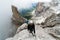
x: 30, y: 21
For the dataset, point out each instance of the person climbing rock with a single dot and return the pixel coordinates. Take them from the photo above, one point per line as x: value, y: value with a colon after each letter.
x: 31, y: 27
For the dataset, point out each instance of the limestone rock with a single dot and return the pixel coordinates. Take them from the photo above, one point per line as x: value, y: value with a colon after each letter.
x: 22, y: 27
x: 40, y: 32
x: 54, y: 31
x: 25, y: 35
x: 17, y: 19
x: 46, y: 18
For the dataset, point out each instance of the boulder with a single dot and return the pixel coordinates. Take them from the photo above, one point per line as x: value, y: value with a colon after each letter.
x: 22, y: 27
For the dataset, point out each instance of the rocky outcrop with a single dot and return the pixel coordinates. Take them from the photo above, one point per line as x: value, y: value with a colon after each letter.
x: 17, y: 18
x: 22, y: 27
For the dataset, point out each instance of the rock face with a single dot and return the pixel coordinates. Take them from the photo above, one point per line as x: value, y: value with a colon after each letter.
x: 17, y: 19
x: 47, y: 23
x: 22, y: 27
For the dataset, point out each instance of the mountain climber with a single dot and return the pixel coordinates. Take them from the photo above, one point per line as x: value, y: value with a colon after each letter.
x: 31, y: 27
